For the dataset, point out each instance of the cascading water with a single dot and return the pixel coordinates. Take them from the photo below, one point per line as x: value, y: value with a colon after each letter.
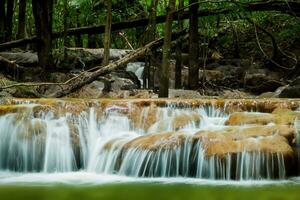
x: 163, y: 142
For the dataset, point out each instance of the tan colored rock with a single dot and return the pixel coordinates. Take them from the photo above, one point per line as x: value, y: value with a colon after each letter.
x: 280, y: 116
x: 264, y: 139
x: 175, y: 123
x: 152, y: 142
x: 270, y: 144
x: 184, y: 119
x: 242, y: 118
x: 244, y: 132
x: 143, y: 117
x: 6, y: 109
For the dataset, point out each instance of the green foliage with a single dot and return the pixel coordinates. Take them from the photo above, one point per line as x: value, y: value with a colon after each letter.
x: 93, y: 12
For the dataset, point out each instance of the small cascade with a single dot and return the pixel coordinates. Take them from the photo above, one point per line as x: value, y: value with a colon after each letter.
x: 21, y: 146
x: 35, y: 144
x: 137, y: 68
x: 170, y: 140
x: 59, y: 155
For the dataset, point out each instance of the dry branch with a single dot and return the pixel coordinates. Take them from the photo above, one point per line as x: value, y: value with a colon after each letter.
x: 87, y: 78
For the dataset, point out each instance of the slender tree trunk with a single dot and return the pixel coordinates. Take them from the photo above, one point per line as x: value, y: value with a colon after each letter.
x: 164, y: 71
x: 107, y: 35
x: 9, y: 19
x: 151, y: 35
x: 66, y: 23
x: 22, y: 19
x: 2, y: 21
x: 193, y: 46
x: 78, y: 40
x: 178, y: 65
x: 42, y: 11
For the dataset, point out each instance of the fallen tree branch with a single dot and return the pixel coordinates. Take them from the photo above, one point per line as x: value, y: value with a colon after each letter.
x: 291, y: 8
x: 87, y: 78
x: 92, y: 74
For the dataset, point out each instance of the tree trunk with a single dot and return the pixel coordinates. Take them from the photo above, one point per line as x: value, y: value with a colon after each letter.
x: 148, y: 77
x: 42, y: 11
x: 78, y: 40
x: 9, y: 19
x: 178, y: 65
x: 2, y: 21
x: 66, y: 23
x: 164, y: 71
x: 107, y: 34
x: 193, y: 46
x: 22, y: 19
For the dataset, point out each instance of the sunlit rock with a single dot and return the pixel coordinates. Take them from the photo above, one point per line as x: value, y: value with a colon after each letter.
x: 157, y: 141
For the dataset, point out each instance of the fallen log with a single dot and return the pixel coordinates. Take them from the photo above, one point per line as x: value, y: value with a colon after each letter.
x: 10, y: 68
x: 25, y: 59
x: 88, y: 77
x: 291, y: 8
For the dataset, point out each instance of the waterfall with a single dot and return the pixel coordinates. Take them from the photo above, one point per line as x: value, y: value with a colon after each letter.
x: 162, y: 141
x: 59, y: 155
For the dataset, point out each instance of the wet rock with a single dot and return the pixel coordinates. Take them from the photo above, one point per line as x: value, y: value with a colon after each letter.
x: 269, y: 144
x: 157, y: 141
x: 250, y: 131
x: 260, y: 81
x: 92, y: 90
x: 242, y: 118
x: 292, y: 90
x: 279, y: 116
x: 176, y: 122
x: 143, y: 117
x: 126, y: 75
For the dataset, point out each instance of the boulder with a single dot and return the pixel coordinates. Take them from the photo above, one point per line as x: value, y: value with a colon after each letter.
x: 270, y: 145
x: 252, y: 131
x: 92, y: 90
x: 292, y: 90
x: 262, y: 81
x: 242, y: 118
x: 279, y: 116
x: 176, y: 122
x: 158, y: 141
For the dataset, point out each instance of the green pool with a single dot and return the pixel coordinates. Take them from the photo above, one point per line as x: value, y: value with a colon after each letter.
x: 150, y: 191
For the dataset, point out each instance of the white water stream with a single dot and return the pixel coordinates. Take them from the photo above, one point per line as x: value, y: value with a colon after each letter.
x: 72, y: 148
